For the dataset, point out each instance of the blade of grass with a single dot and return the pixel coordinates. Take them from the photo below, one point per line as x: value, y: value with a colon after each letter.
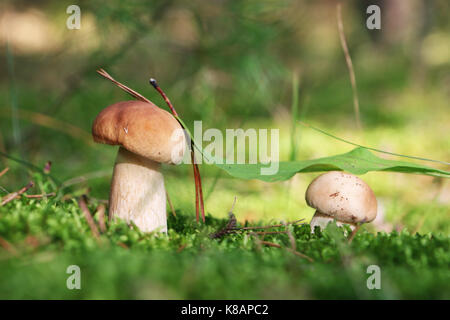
x: 55, y: 124
x: 213, y: 184
x: 170, y: 204
x: 13, y: 94
x: 369, y: 148
x: 294, y: 116
x: 30, y: 166
x: 348, y: 60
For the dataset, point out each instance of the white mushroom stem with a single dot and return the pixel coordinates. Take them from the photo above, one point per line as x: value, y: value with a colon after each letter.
x: 322, y: 220
x: 138, y: 193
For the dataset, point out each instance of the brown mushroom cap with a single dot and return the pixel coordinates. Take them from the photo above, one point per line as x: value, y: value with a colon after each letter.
x: 342, y: 196
x: 141, y: 128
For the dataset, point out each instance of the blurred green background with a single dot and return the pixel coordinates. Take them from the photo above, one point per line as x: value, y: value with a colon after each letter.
x: 233, y: 64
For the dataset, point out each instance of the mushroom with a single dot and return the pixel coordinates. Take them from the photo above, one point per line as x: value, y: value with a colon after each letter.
x: 342, y: 197
x: 147, y: 136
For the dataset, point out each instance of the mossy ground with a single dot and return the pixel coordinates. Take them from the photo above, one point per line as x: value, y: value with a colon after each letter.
x: 47, y: 236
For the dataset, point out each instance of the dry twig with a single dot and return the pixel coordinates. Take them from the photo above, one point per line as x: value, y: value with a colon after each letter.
x: 275, y: 245
x: 88, y: 216
x: 181, y: 247
x: 268, y: 232
x: 230, y: 227
x: 14, y: 195
x: 352, y: 235
x: 4, y: 171
x: 135, y: 94
x: 38, y: 196
x: 7, y: 246
x: 271, y: 226
x: 123, y: 245
x: 101, y: 217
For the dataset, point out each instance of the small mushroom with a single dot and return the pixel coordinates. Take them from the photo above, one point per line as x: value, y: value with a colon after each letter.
x: 147, y: 136
x: 342, y: 197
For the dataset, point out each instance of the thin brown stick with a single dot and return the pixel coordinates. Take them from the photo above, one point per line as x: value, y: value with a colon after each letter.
x: 270, y: 244
x: 301, y: 255
x: 123, y: 245
x: 135, y: 94
x: 170, y: 205
x: 166, y: 99
x: 197, y: 177
x: 291, y: 238
x: 10, y: 197
x: 352, y: 235
x: 4, y: 171
x: 229, y: 228
x: 197, y: 211
x: 7, y: 246
x: 275, y: 245
x: 200, y: 192
x: 348, y: 60
x: 269, y: 232
x: 88, y: 216
x: 272, y: 226
x: 101, y: 217
x: 38, y: 196
x: 32, y: 241
x: 181, y: 247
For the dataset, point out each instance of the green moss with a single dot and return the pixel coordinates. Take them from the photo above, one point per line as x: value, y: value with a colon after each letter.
x: 187, y: 263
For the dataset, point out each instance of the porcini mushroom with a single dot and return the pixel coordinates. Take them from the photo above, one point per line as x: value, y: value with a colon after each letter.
x: 342, y: 197
x: 147, y: 136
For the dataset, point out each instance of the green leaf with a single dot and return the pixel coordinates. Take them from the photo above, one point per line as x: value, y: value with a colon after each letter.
x: 358, y: 161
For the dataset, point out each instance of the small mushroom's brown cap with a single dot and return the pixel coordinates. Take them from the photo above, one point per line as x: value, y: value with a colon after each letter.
x: 343, y: 196
x: 141, y: 128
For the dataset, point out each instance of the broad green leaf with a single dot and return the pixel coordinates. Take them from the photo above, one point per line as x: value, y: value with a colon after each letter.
x: 358, y: 161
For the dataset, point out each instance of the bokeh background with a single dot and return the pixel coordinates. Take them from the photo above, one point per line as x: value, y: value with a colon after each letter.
x: 233, y: 64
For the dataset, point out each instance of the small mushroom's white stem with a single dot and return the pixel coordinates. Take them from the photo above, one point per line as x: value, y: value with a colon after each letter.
x: 322, y: 220
x: 138, y: 193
